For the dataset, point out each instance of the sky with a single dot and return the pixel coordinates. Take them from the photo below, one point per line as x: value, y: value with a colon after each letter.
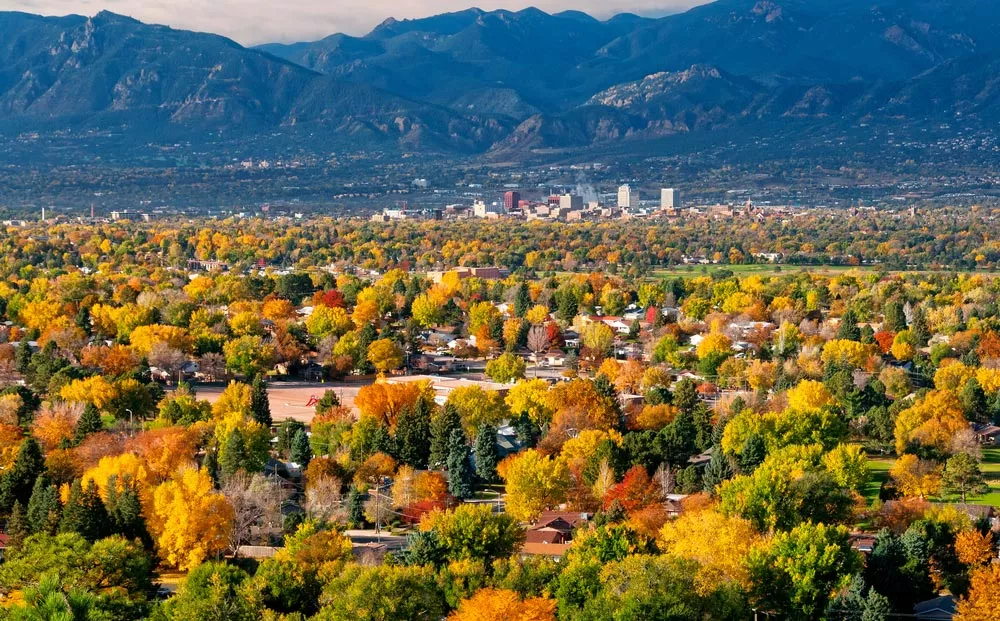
x: 252, y: 22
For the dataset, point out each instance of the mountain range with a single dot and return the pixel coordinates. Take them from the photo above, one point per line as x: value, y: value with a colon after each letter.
x: 511, y: 83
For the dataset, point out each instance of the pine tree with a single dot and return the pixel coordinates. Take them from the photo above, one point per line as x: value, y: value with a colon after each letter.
x: 211, y: 463
x: 567, y: 307
x: 895, y: 319
x: 18, y: 527
x: 413, y: 435
x: 17, y: 483
x: 522, y: 300
x: 44, y: 509
x: 301, y: 452
x: 94, y: 523
x: 447, y: 421
x: 260, y: 406
x: 355, y: 508
x: 485, y: 451
x: 127, y: 515
x: 89, y: 422
x: 460, y: 475
x: 918, y: 327
x: 849, y: 326
x: 718, y: 470
x: 527, y: 431
x: 752, y: 453
x: 23, y: 357
x: 233, y: 454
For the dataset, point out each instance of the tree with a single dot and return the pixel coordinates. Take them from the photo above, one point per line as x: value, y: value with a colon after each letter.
x: 598, y: 338
x: 474, y: 531
x: 385, y: 355
x: 501, y: 605
x: 301, y: 452
x: 983, y: 599
x: 848, y: 328
x: 963, y: 476
x: 916, y: 477
x: 796, y: 572
x: 460, y: 475
x: 442, y: 426
x: 931, y: 422
x: 189, y: 520
x: 485, y: 453
x: 85, y: 513
x: 44, y: 508
x: 382, y: 593
x: 89, y: 422
x: 534, y: 483
x: 215, y: 591
x: 260, y: 405
x: 849, y: 466
x: 18, y: 482
x: 413, y: 434
x: 507, y: 368
x: 248, y: 355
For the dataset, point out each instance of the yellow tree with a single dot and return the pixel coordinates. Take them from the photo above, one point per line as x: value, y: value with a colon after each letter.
x: 94, y: 389
x: 720, y: 544
x: 189, y: 520
x: 916, y: 477
x: 982, y: 601
x: 529, y: 397
x: 491, y: 604
x: 932, y: 422
x: 534, y: 483
x: 385, y: 355
x: 809, y: 395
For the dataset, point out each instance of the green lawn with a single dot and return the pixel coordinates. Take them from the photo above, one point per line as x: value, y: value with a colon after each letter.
x: 879, y: 468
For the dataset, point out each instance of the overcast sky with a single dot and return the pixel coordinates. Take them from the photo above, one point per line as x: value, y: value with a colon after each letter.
x: 260, y: 21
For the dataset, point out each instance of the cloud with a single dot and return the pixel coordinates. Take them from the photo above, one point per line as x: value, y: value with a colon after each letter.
x: 260, y: 21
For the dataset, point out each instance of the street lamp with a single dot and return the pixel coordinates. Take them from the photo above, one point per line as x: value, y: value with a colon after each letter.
x: 131, y: 426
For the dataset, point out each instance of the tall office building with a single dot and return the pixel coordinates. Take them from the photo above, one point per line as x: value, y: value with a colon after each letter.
x: 624, y: 197
x: 670, y: 199
x: 570, y: 202
x: 511, y: 201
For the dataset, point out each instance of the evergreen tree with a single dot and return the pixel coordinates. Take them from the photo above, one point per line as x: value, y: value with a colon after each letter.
x: 18, y: 527
x: 849, y: 326
x: 527, y: 431
x: 522, y: 300
x: 44, y: 508
x: 355, y: 508
x: 301, y: 452
x: 752, y: 453
x: 686, y: 395
x: 974, y: 402
x: 286, y: 432
x: 895, y: 318
x: 23, y: 356
x: 211, y: 463
x: 442, y: 425
x: 233, y: 454
x: 460, y: 475
x: 126, y: 515
x: 918, y: 327
x: 718, y: 470
x: 485, y: 451
x: 567, y: 307
x: 413, y: 435
x: 260, y: 406
x: 85, y: 513
x: 89, y: 422
x: 17, y: 483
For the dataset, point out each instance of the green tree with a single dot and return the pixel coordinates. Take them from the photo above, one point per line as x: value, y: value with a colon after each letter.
x: 475, y: 532
x: 413, y: 434
x: 506, y: 368
x: 44, y: 508
x: 382, y: 593
x: 89, y: 422
x: 260, y: 406
x: 485, y: 453
x: 442, y: 426
x: 233, y: 454
x: 849, y: 326
x: 522, y: 300
x: 963, y: 476
x: 85, y: 513
x: 301, y: 451
x: 215, y: 592
x: 18, y: 482
x: 796, y: 573
x: 460, y: 475
x: 17, y: 528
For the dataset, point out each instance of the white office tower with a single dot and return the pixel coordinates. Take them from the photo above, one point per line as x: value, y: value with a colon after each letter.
x: 670, y: 199
x: 624, y: 197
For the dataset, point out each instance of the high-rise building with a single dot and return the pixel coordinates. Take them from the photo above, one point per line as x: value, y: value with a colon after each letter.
x: 482, y: 209
x: 670, y: 199
x: 624, y: 197
x: 511, y: 200
x: 571, y: 202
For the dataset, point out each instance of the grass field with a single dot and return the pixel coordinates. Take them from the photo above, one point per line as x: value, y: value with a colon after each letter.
x: 879, y: 468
